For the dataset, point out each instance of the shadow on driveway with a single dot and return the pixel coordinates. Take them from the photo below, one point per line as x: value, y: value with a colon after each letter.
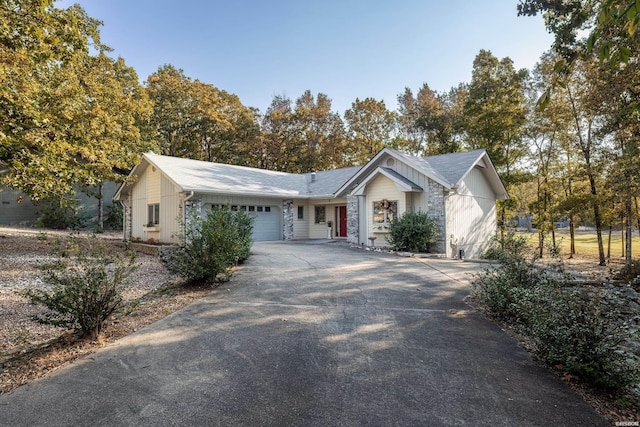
x: 312, y: 335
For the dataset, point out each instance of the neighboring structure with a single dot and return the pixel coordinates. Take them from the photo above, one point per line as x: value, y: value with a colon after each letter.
x: 16, y: 208
x: 355, y: 204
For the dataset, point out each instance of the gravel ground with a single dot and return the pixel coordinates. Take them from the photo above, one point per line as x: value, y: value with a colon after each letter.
x: 23, y: 256
x: 29, y: 350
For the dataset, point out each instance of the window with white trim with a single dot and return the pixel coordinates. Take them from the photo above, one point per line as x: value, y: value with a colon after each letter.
x: 153, y: 214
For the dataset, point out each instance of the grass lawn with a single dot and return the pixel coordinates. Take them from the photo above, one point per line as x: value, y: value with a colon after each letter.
x: 587, y: 242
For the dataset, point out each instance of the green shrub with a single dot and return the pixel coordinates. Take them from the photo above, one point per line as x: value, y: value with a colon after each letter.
x: 413, y: 231
x: 114, y: 216
x: 575, y: 328
x: 61, y: 214
x: 86, y: 289
x: 211, y: 245
x: 580, y: 330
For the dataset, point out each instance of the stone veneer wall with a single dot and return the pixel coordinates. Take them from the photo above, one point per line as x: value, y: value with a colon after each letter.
x: 352, y: 220
x: 287, y: 219
x: 435, y: 208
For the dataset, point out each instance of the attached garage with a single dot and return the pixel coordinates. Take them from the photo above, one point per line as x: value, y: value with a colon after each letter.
x: 267, y: 216
x: 266, y: 225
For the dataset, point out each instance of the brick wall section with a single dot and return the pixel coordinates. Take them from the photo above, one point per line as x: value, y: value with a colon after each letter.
x: 352, y: 220
x: 435, y: 208
x: 287, y: 219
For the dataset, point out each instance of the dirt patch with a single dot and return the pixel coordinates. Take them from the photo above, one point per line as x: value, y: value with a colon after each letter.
x: 29, y: 350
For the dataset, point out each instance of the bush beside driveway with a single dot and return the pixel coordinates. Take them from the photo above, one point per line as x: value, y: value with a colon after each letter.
x: 313, y: 335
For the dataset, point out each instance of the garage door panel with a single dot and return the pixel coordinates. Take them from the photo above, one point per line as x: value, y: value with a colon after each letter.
x: 266, y: 225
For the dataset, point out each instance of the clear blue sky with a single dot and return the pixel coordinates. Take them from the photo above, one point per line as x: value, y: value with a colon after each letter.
x: 342, y: 48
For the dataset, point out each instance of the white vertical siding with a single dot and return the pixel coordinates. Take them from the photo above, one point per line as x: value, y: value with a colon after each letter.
x: 471, y: 217
x: 139, y: 207
x: 170, y: 211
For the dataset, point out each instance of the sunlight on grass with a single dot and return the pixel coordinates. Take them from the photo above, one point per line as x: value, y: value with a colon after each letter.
x: 586, y: 242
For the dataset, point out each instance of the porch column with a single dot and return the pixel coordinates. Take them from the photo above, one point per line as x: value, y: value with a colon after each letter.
x: 352, y: 220
x: 287, y: 219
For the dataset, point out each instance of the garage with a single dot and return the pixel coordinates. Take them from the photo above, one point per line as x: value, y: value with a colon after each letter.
x: 266, y: 225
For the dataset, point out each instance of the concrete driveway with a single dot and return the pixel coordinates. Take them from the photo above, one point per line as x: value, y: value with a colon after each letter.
x: 312, y: 335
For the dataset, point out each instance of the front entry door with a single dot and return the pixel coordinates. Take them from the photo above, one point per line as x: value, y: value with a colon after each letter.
x: 342, y: 221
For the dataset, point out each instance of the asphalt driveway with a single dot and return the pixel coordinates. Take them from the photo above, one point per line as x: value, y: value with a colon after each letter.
x: 312, y: 335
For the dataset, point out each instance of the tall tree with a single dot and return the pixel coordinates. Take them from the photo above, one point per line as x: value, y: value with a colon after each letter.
x: 225, y: 128
x: 548, y: 132
x: 428, y: 122
x: 197, y: 120
x: 322, y: 132
x: 585, y: 114
x: 371, y: 127
x: 67, y: 109
x: 281, y: 138
x: 495, y: 116
x: 172, y: 121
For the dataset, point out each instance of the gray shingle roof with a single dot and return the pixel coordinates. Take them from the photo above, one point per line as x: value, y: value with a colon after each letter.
x: 207, y: 177
x: 450, y: 168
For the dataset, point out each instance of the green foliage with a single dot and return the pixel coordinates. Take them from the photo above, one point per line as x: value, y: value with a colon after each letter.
x: 197, y: 120
x: 114, y: 217
x: 430, y: 123
x: 61, y: 215
x: 86, y: 289
x: 68, y: 110
x: 579, y: 330
x: 413, y: 231
x: 371, y: 126
x: 300, y: 137
x: 211, y: 245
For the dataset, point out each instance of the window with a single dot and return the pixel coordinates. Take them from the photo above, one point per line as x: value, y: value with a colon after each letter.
x: 243, y: 208
x: 259, y: 208
x: 252, y: 208
x: 300, y: 212
x: 320, y: 214
x: 267, y: 208
x: 384, y: 211
x: 153, y: 214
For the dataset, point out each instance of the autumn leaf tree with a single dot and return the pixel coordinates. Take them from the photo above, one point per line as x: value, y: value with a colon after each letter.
x: 429, y: 122
x: 68, y: 110
x: 370, y: 128
x: 495, y: 116
x: 197, y: 120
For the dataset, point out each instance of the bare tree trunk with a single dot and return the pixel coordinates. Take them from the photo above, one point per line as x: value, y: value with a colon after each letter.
x: 585, y: 147
x: 101, y: 206
x: 609, y: 243
x: 597, y: 216
x: 572, y: 235
x: 629, y: 230
x: 622, y: 237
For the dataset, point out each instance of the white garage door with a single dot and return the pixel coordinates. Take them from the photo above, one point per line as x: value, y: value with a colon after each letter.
x: 267, y: 223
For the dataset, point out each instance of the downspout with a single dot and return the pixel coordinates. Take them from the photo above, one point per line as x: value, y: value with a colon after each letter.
x: 184, y: 208
x: 126, y: 233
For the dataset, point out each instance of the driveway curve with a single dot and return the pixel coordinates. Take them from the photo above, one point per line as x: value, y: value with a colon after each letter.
x: 312, y: 335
